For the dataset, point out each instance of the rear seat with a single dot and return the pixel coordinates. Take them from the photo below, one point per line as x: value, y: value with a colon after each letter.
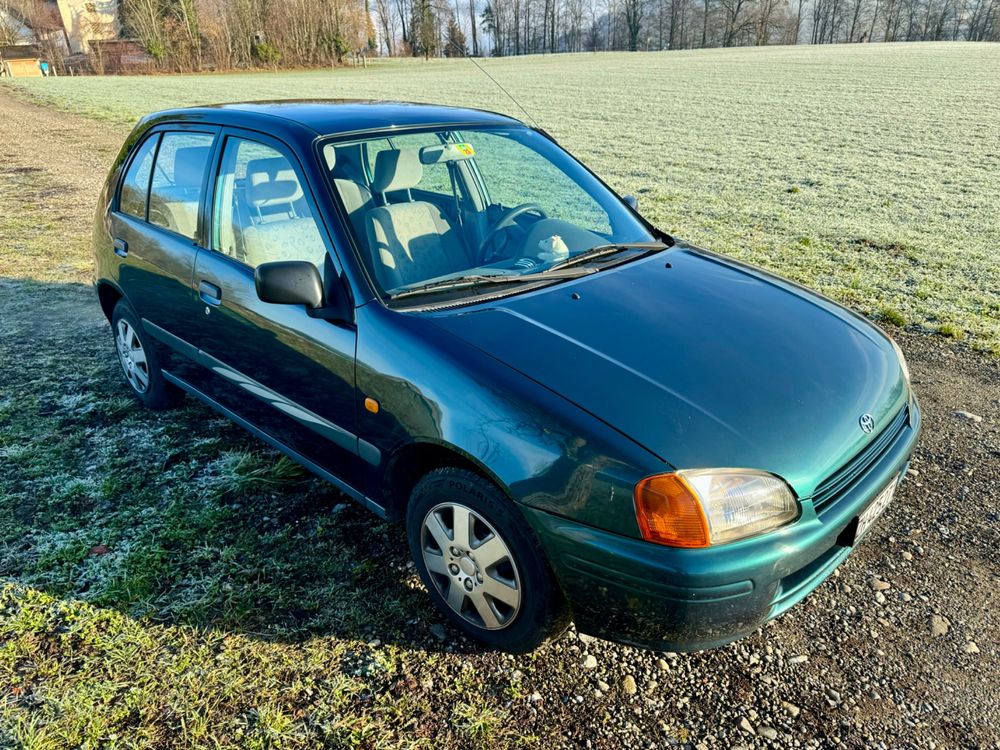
x: 177, y: 205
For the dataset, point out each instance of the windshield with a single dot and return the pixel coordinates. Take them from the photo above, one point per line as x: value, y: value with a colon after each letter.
x: 445, y: 210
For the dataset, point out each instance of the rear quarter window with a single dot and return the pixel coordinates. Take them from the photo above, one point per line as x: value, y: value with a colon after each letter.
x: 175, y: 192
x: 135, y: 186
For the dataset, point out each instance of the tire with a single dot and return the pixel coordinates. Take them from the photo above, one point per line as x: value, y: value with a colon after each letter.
x: 139, y: 365
x: 508, y: 599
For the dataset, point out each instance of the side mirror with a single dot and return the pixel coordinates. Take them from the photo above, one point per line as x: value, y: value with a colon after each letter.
x: 632, y: 202
x: 289, y: 282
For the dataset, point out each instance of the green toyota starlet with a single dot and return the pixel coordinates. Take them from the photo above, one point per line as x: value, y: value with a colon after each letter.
x: 447, y: 316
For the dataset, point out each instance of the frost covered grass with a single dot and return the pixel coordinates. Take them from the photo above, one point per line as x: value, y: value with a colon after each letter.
x: 168, y: 581
x: 868, y: 172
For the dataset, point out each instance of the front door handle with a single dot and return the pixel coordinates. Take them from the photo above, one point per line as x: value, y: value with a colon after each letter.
x: 121, y: 247
x: 210, y: 294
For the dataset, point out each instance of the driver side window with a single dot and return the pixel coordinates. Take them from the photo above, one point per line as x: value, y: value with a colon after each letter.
x: 514, y: 174
x: 261, y: 212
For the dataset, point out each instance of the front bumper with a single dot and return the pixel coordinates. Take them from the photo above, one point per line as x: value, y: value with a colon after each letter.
x: 647, y: 595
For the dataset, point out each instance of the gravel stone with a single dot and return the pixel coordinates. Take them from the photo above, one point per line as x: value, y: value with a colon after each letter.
x: 590, y: 662
x: 629, y: 686
x: 968, y: 416
x: 438, y: 631
x: 791, y: 709
x: 939, y: 625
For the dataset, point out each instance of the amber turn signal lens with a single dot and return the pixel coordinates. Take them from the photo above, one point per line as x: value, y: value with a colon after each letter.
x: 669, y: 512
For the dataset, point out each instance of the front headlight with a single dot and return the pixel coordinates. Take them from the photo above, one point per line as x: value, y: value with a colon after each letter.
x: 704, y: 507
x: 901, y: 358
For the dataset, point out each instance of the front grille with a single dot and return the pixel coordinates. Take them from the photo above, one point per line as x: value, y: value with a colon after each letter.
x: 844, y: 478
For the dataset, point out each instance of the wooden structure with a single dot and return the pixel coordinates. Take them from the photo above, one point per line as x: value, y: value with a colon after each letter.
x: 115, y: 56
x: 20, y: 61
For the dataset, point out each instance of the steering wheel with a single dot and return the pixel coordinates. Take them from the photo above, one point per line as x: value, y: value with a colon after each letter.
x: 505, y: 221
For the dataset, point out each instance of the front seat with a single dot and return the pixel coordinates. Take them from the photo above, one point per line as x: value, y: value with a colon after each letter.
x: 356, y: 196
x: 276, y: 231
x: 413, y: 241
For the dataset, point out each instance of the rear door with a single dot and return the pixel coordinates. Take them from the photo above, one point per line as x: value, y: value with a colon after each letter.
x: 157, y: 229
x: 290, y: 374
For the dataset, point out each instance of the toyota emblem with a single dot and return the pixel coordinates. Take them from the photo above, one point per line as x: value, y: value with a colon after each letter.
x: 867, y: 422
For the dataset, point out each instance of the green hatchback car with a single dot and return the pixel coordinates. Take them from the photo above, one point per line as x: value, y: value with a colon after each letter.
x: 451, y: 319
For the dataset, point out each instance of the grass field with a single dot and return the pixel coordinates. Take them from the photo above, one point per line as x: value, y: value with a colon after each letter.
x: 869, y: 172
x: 169, y: 582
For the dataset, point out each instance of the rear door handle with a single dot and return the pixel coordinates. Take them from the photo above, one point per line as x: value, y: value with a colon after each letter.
x: 121, y: 247
x: 210, y: 294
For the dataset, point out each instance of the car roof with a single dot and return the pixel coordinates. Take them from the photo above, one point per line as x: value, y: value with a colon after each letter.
x: 334, y: 116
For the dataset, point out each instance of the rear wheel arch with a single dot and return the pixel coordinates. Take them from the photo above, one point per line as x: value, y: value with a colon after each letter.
x: 109, y: 295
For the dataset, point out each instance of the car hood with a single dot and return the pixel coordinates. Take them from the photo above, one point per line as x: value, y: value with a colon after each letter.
x: 704, y: 361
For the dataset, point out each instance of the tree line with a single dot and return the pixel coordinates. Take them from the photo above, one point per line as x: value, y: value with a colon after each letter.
x: 517, y: 27
x: 185, y: 35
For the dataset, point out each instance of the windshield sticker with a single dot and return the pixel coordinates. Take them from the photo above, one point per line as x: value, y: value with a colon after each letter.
x: 465, y: 149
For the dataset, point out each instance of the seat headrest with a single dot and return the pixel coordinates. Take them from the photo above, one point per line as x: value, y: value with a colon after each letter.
x: 397, y: 169
x: 273, y: 192
x: 189, y: 165
x: 446, y: 152
x: 272, y: 169
x: 330, y: 154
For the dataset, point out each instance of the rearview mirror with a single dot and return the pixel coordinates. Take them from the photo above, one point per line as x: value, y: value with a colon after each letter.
x: 289, y: 282
x: 632, y: 202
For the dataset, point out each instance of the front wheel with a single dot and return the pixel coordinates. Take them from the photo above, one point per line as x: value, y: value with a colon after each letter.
x: 481, y: 562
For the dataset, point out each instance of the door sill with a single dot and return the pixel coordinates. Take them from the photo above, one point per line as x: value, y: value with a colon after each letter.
x: 253, y: 429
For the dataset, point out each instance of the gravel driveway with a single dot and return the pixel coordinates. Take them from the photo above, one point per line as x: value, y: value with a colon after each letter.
x: 898, y: 649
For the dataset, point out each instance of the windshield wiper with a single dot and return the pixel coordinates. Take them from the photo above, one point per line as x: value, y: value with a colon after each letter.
x: 601, y: 250
x: 463, y: 282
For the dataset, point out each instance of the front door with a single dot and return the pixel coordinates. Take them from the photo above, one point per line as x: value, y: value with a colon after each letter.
x: 290, y: 374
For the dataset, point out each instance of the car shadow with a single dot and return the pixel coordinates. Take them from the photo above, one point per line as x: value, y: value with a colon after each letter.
x: 179, y: 517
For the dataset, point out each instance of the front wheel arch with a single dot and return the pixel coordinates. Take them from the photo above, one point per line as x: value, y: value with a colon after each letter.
x: 412, y: 462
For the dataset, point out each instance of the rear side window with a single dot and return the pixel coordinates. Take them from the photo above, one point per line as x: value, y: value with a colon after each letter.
x: 175, y: 193
x: 135, y: 186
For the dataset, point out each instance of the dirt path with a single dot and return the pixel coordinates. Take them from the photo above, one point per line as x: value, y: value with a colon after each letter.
x: 52, y: 165
x: 874, y: 671
x: 73, y: 151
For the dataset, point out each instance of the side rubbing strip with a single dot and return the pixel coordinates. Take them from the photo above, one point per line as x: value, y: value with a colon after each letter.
x: 326, y: 428
x: 166, y: 337
x: 369, y: 452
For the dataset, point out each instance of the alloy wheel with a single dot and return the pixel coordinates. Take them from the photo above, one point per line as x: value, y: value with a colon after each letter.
x: 132, y: 356
x: 471, y: 566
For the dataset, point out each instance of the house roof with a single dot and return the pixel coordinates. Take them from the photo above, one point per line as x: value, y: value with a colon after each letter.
x: 19, y: 52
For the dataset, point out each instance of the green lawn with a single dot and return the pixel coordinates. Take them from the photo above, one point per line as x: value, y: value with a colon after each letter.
x: 869, y: 172
x: 168, y: 581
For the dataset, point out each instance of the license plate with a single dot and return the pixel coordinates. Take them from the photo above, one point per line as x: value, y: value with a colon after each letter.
x: 873, y: 511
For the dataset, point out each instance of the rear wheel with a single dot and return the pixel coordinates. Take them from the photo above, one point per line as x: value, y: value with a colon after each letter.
x: 138, y: 361
x: 481, y: 562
